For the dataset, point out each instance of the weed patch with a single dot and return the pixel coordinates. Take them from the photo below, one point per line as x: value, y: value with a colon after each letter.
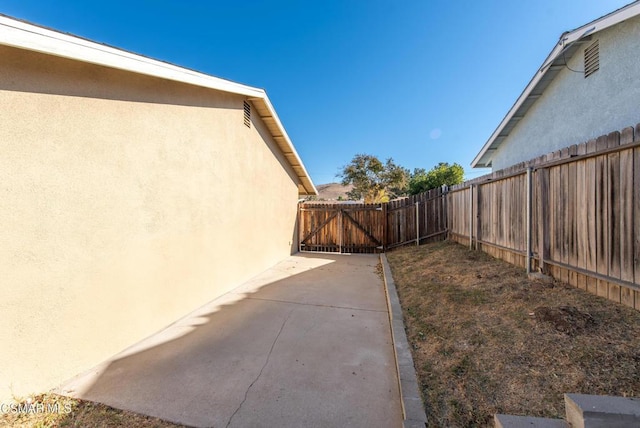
x: 52, y: 410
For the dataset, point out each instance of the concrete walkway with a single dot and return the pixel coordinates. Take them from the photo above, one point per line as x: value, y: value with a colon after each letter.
x: 305, y: 344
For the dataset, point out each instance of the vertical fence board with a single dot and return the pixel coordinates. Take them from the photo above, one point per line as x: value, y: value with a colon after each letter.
x: 563, y: 219
x: 477, y: 220
x: 510, y: 227
x: 581, y: 217
x: 591, y: 259
x: 602, y: 220
x: 513, y: 227
x: 520, y: 243
x: 486, y: 218
x: 571, y: 218
x: 543, y: 218
x: 626, y: 215
x: 636, y: 211
x: 554, y: 220
x: 613, y: 214
x: 495, y: 219
x: 535, y: 194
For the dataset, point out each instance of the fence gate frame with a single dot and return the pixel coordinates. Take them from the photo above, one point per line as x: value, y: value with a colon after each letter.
x: 345, y: 228
x: 343, y: 218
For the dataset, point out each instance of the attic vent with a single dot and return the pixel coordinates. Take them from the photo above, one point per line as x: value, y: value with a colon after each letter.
x: 247, y: 114
x: 591, y: 59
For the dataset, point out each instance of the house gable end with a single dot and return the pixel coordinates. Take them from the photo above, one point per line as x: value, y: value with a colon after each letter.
x: 570, y: 42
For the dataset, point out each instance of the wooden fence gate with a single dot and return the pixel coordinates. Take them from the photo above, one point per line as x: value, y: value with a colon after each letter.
x: 372, y: 228
x: 341, y: 228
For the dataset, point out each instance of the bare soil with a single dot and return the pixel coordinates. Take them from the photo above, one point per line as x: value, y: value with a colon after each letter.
x: 486, y: 339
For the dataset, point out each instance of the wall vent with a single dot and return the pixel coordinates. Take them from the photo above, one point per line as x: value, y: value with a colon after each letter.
x: 247, y: 114
x: 591, y: 59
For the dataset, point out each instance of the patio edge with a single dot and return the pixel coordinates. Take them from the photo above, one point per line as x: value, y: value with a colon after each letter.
x: 410, y: 398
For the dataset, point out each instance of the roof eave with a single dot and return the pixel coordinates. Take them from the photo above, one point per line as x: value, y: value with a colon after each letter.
x: 286, y: 146
x: 32, y: 37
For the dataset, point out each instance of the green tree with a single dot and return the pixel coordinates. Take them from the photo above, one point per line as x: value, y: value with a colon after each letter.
x: 441, y: 174
x: 373, y: 180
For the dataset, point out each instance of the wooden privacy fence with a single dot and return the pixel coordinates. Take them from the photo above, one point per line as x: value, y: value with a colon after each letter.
x: 574, y: 214
x: 370, y: 228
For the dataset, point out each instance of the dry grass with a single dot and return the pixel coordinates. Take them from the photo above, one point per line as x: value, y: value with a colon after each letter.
x: 51, y: 410
x: 487, y: 340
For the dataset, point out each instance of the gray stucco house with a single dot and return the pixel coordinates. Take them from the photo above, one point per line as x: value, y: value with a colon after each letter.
x: 588, y: 86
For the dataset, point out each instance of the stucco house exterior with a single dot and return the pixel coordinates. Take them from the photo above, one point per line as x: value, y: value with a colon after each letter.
x: 133, y: 191
x: 589, y: 85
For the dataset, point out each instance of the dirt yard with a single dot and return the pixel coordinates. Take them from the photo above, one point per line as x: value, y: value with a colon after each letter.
x: 51, y: 410
x: 487, y: 340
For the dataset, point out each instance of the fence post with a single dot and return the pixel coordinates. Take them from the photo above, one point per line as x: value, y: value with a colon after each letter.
x: 445, y: 209
x: 529, y: 219
x: 385, y: 219
x: 471, y: 216
x: 417, y: 223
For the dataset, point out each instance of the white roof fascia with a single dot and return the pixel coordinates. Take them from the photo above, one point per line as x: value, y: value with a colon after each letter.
x: 566, y: 39
x: 31, y: 37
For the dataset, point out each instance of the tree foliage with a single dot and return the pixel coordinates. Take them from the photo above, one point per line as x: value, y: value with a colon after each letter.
x: 376, y: 181
x: 373, y: 180
x: 441, y: 174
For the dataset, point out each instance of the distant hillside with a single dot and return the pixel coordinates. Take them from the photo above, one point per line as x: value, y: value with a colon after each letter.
x: 332, y: 191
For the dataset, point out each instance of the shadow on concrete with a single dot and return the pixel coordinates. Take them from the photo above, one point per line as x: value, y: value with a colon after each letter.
x: 306, y: 343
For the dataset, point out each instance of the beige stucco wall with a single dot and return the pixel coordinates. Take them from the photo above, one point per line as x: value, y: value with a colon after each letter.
x: 126, y: 202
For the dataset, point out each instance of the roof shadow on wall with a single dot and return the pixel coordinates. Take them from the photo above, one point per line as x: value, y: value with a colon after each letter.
x: 28, y: 71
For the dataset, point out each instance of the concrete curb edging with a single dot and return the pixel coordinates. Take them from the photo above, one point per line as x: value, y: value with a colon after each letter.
x: 410, y: 398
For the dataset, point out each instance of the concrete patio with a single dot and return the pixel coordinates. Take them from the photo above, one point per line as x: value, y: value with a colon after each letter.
x: 306, y: 343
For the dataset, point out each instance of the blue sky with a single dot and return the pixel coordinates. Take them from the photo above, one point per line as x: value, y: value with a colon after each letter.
x: 421, y: 81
